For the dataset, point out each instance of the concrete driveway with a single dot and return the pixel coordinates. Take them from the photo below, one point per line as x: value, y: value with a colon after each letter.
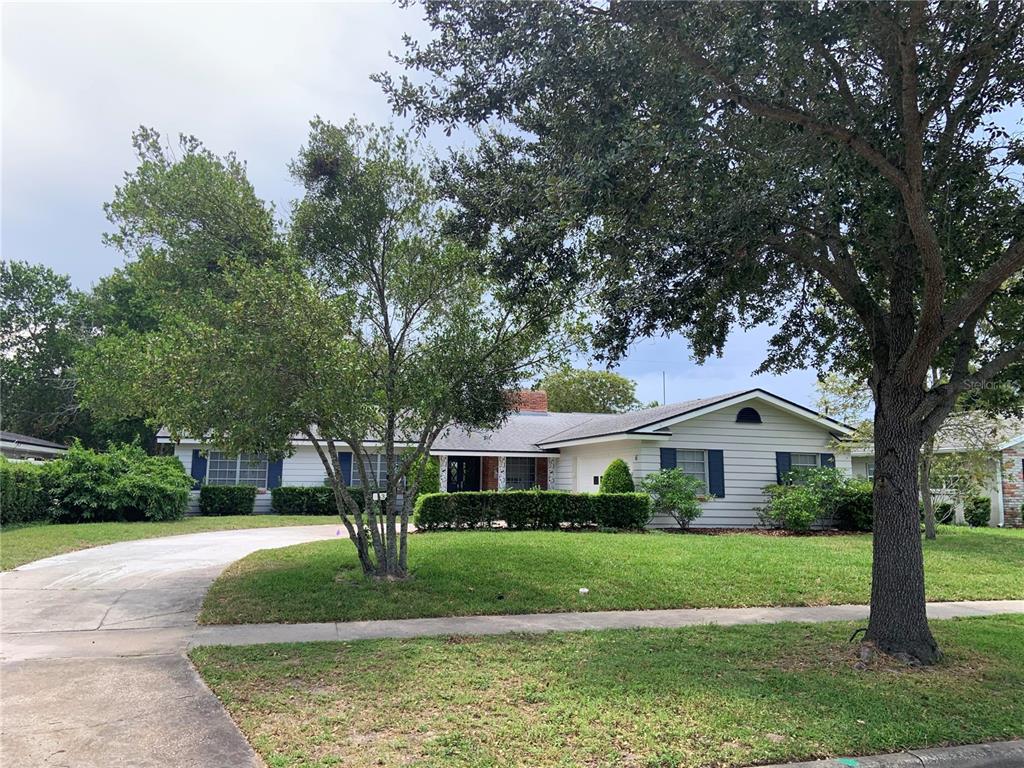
x: 92, y: 654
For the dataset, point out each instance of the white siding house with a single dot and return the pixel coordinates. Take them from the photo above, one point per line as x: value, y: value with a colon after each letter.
x: 737, y: 443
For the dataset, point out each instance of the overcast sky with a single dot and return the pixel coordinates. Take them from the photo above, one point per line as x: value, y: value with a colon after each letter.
x: 78, y: 79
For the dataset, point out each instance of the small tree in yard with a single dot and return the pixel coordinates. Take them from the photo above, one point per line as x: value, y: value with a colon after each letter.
x: 363, y: 329
x: 839, y: 170
x: 617, y: 478
x: 674, y: 494
x: 588, y: 391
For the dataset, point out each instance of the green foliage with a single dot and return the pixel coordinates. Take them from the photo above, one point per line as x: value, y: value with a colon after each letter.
x: 617, y: 478
x: 38, y: 336
x: 366, y: 319
x: 945, y: 513
x: 811, y: 496
x: 120, y: 484
x: 219, y: 500
x: 978, y: 511
x: 573, y: 390
x: 23, y: 497
x: 532, y: 510
x: 674, y: 494
x: 317, y: 500
x: 854, y: 509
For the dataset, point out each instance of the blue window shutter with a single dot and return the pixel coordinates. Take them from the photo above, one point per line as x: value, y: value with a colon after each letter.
x: 716, y: 474
x: 345, y: 460
x: 783, y: 464
x: 198, y: 468
x: 668, y: 458
x: 828, y: 460
x: 274, y: 471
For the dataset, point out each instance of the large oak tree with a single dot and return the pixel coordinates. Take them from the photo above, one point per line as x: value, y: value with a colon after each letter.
x: 836, y: 169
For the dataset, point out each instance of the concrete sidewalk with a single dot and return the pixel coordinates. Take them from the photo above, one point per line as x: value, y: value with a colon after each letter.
x: 252, y: 634
x: 1002, y: 754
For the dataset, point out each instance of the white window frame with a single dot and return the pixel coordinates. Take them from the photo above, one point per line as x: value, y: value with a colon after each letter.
x: 794, y: 467
x: 706, y: 480
x: 533, y: 463
x: 223, y: 457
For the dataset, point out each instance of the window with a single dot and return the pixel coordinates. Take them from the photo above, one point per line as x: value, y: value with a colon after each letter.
x: 520, y: 473
x: 244, y: 469
x: 869, y: 471
x: 376, y: 471
x: 693, y: 463
x: 803, y: 461
x: 748, y: 416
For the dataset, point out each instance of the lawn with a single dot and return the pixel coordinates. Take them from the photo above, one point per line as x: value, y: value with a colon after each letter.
x: 503, y: 572
x: 698, y: 696
x: 34, y: 542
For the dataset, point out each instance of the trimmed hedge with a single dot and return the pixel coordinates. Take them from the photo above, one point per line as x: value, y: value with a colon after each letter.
x: 23, y: 497
x: 978, y: 511
x: 310, y: 500
x: 532, y: 510
x: 220, y: 500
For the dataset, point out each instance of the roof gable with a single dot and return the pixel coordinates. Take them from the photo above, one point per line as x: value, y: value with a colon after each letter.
x: 652, y: 422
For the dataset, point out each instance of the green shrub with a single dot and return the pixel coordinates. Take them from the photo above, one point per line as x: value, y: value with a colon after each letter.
x: 617, y: 478
x: 978, y: 511
x: 945, y: 513
x: 807, y: 497
x: 23, y: 497
x: 674, y: 494
x: 121, y: 484
x: 854, y: 505
x: 219, y: 500
x: 531, y: 510
x: 316, y: 500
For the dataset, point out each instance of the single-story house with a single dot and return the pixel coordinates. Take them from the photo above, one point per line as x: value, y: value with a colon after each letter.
x: 1004, y: 484
x: 736, y: 443
x: 27, y: 448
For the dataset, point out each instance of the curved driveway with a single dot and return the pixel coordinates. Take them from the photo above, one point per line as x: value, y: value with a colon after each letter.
x: 92, y: 654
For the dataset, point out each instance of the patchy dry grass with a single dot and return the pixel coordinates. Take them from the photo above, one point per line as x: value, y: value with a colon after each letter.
x: 34, y: 542
x: 523, y: 572
x: 699, y: 696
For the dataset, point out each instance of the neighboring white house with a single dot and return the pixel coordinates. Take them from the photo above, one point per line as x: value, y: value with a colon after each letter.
x: 1004, y: 484
x: 735, y: 443
x: 27, y: 448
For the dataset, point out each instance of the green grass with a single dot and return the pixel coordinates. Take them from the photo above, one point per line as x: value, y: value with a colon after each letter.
x: 34, y: 542
x: 699, y: 696
x: 503, y: 573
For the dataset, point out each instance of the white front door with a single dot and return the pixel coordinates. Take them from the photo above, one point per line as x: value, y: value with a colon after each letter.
x: 589, y: 471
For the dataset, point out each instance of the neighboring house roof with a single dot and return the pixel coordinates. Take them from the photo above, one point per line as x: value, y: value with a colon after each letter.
x: 536, y: 432
x: 16, y: 441
x: 968, y: 431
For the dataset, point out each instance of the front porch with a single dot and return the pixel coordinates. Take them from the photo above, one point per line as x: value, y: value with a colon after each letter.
x: 497, y: 472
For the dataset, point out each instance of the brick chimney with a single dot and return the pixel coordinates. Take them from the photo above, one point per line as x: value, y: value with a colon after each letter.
x: 530, y: 401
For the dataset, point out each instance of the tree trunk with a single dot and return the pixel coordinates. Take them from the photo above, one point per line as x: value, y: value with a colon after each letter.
x: 926, y: 489
x: 898, y: 624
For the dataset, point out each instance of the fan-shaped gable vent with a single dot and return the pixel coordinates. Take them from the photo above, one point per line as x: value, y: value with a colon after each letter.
x: 748, y: 416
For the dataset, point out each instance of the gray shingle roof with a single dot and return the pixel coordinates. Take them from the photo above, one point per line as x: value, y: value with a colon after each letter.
x: 616, y: 423
x: 15, y: 437
x: 530, y: 432
x: 521, y: 432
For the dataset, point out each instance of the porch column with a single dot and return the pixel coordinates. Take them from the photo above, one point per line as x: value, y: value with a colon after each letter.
x: 501, y: 473
x: 552, y: 470
x: 443, y: 478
